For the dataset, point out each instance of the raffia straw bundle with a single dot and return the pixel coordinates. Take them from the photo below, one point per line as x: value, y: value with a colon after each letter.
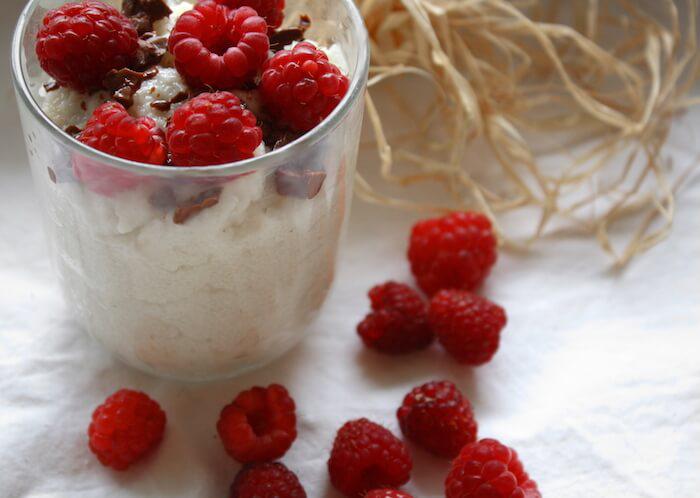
x: 606, y: 76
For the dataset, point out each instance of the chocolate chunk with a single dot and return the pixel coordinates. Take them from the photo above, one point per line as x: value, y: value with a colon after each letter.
x: 162, y: 198
x: 52, y: 174
x: 161, y: 105
x: 165, y: 105
x: 124, y: 83
x: 149, y: 53
x: 144, y: 13
x: 202, y: 201
x: 303, y: 183
x: 50, y: 86
x: 283, y: 37
x: 125, y: 96
x: 73, y: 130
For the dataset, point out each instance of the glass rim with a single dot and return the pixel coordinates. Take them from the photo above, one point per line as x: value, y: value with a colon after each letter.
x: 274, y: 157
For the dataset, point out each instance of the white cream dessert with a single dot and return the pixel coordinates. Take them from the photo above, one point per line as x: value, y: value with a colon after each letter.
x: 199, y: 292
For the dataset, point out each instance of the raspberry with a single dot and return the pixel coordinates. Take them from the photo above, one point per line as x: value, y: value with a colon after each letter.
x: 456, y: 251
x: 398, y: 322
x: 212, y: 128
x: 266, y: 480
x: 270, y: 10
x: 301, y: 87
x: 437, y: 417
x: 218, y: 47
x: 112, y: 130
x: 259, y: 425
x: 387, y: 493
x: 125, y: 428
x: 79, y: 43
x: 489, y: 469
x: 367, y: 456
x: 468, y: 326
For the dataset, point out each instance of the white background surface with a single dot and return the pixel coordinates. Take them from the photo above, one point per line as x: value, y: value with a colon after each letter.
x: 597, y: 383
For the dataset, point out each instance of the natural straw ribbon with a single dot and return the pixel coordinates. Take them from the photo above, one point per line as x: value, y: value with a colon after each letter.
x: 605, y: 78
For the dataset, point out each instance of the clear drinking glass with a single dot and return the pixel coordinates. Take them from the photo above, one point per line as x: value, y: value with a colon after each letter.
x: 197, y: 273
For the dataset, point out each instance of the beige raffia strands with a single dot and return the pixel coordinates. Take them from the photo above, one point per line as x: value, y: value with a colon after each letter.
x: 607, y: 77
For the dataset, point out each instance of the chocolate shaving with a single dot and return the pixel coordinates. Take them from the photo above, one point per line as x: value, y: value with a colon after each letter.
x: 165, y: 105
x: 83, y: 105
x: 124, y: 83
x: 162, y: 198
x: 73, y: 130
x: 303, y: 183
x: 50, y: 86
x: 202, y: 201
x: 144, y: 13
x: 161, y: 105
x: 52, y: 174
x: 283, y: 37
x: 149, y: 53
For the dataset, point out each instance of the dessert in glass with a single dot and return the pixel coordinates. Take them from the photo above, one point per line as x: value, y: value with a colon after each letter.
x: 194, y: 161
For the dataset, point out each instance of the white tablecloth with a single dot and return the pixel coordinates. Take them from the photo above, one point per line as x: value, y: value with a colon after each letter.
x: 597, y: 382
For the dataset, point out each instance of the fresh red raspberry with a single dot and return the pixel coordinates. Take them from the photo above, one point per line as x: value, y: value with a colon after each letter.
x: 468, y: 326
x: 212, y: 128
x: 437, y: 417
x: 266, y: 480
x: 114, y: 131
x: 270, y: 10
x: 398, y: 322
x: 456, y: 251
x: 259, y: 425
x: 301, y: 86
x: 367, y: 456
x: 387, y: 493
x: 79, y: 43
x: 217, y: 47
x: 125, y: 428
x: 489, y: 469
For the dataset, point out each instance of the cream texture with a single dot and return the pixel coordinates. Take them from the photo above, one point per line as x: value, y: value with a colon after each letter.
x: 232, y: 287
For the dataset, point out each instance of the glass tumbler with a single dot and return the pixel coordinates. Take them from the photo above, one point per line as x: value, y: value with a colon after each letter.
x: 205, y: 272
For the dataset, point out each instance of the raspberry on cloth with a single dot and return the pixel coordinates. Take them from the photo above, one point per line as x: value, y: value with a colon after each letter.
x: 437, y: 417
x: 468, y: 326
x: 366, y: 456
x: 398, y: 322
x: 259, y: 425
x: 125, y: 428
x: 266, y: 480
x: 489, y: 469
x: 455, y: 251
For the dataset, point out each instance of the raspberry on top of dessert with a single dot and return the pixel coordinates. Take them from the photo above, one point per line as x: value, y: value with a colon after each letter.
x: 226, y: 65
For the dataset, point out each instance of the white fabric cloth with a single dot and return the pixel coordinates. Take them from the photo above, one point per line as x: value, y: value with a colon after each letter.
x: 597, y: 382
